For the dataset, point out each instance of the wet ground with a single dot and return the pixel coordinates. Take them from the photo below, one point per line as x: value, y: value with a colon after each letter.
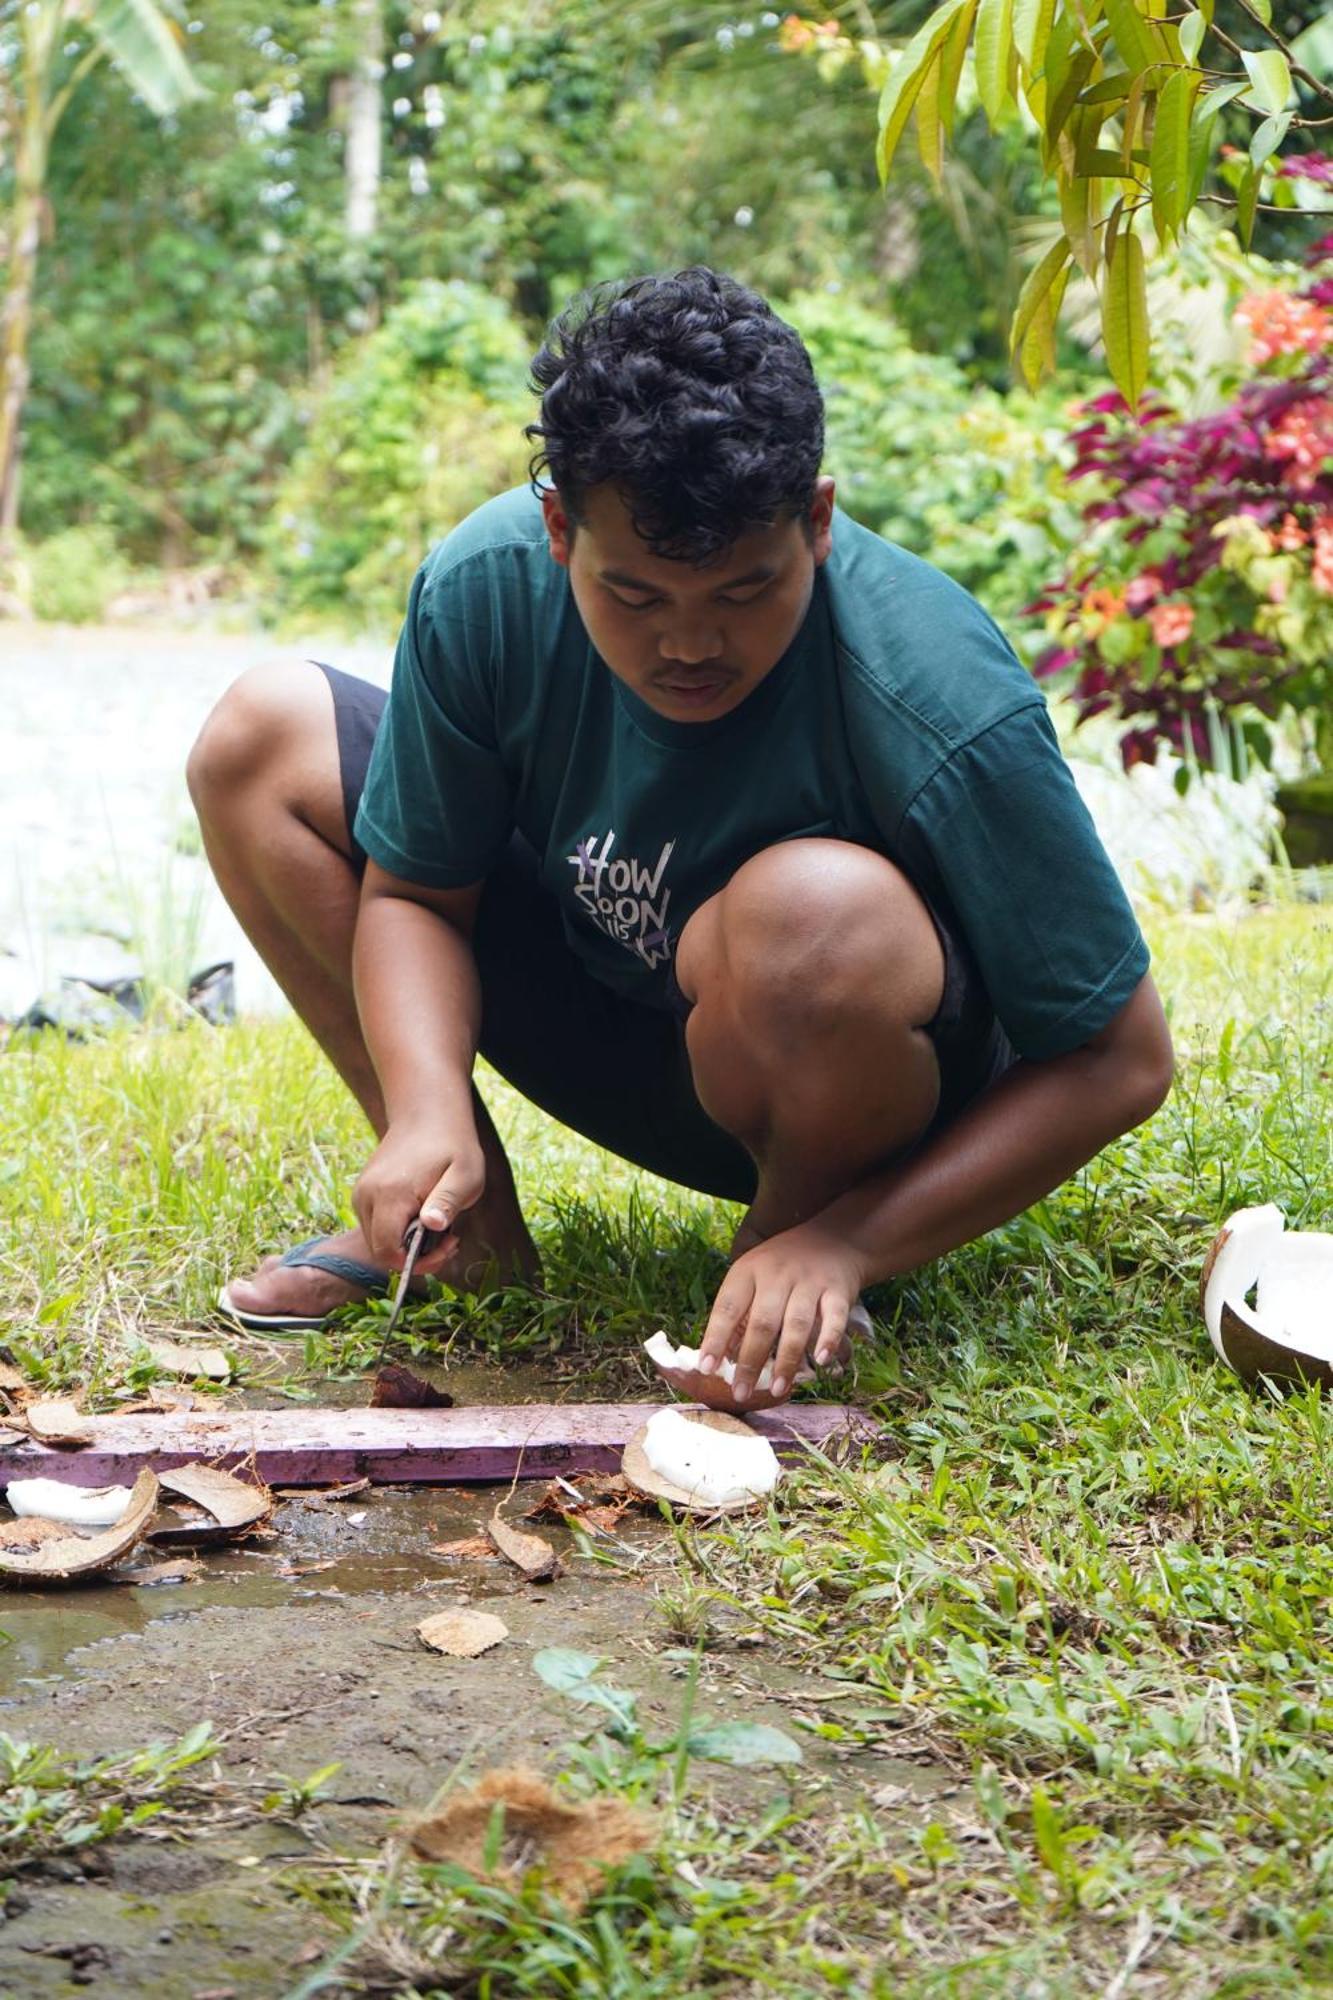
x: 301, y: 1649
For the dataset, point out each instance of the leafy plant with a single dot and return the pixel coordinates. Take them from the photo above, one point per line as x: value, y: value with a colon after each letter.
x: 1204, y: 585
x: 1128, y: 104
x: 51, y: 1804
x: 955, y: 472
x: 423, y: 422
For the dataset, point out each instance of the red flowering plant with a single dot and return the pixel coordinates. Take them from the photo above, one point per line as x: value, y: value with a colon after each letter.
x: 1204, y: 587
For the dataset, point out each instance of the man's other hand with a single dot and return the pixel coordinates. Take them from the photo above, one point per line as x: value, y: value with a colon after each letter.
x: 788, y: 1297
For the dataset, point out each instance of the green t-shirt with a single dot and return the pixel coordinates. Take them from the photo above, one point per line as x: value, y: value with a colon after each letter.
x: 898, y: 718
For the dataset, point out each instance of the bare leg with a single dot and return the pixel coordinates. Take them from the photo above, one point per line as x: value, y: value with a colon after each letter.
x: 265, y: 781
x: 813, y: 973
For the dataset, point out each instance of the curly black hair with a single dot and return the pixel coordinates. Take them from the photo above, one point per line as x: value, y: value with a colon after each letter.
x: 690, y: 395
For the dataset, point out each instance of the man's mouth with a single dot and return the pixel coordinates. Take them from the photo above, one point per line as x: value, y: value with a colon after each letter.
x: 698, y: 688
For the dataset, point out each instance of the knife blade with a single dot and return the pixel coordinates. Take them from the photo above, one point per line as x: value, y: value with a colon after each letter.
x: 416, y: 1240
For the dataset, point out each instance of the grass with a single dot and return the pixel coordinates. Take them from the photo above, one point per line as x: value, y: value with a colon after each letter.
x: 1088, y: 1583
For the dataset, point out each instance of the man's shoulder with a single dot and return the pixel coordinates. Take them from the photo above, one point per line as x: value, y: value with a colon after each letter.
x: 506, y: 534
x: 915, y: 646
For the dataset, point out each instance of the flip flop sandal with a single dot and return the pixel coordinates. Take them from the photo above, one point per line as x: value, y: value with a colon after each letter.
x: 370, y: 1277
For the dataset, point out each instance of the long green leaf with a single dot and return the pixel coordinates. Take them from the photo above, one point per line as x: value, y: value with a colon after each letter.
x: 141, y: 41
x: 1036, y: 357
x: 1270, y: 78
x: 929, y: 126
x: 952, y: 57
x: 991, y: 51
x: 1139, y: 42
x: 1032, y: 31
x: 1192, y: 31
x: 1035, y: 287
x: 908, y: 75
x: 1125, y: 317
x: 1169, y: 156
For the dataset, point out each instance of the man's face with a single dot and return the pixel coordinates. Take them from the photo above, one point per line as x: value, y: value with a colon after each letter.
x: 690, y: 642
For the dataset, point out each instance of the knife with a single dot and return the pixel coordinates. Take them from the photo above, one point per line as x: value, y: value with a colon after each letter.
x: 416, y: 1240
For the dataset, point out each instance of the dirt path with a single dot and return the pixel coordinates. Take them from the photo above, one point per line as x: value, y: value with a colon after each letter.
x: 295, y: 1671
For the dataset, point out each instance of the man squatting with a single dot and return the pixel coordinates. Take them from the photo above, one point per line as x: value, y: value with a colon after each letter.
x: 735, y: 837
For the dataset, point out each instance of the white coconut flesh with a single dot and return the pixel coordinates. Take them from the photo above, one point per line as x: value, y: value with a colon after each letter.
x: 713, y: 1467
x: 1290, y: 1273
x: 685, y: 1360
x: 75, y: 1506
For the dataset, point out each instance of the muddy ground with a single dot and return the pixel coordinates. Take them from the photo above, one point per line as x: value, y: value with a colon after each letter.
x: 300, y: 1650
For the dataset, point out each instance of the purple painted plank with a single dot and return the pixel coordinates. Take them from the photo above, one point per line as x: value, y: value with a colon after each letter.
x: 318, y: 1447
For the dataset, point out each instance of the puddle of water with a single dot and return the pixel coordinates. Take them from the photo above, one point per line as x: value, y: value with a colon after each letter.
x: 323, y: 1550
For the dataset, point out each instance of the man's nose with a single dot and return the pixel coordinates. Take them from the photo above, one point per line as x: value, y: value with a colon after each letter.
x: 691, y: 645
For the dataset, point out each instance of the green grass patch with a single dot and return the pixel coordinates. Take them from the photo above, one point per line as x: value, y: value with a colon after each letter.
x: 1086, y: 1583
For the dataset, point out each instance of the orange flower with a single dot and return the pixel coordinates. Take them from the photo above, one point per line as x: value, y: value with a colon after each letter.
x: 1171, y: 623
x: 1303, y: 437
x: 1281, y: 323
x: 795, y: 34
x: 1100, y: 608
x: 1291, y: 535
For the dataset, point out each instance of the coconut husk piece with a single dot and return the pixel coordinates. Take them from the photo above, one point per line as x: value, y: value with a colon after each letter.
x: 57, y: 1559
x: 397, y: 1388
x: 56, y: 1420
x: 1254, y: 1341
x: 29, y: 1531
x: 572, y: 1845
x: 235, y: 1505
x: 643, y: 1479
x: 175, y: 1358
x: 462, y: 1633
x: 532, y: 1554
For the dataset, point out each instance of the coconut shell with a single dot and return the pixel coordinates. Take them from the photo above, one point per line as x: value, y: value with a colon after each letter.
x: 73, y: 1555
x: 235, y: 1505
x: 645, y: 1480
x: 1252, y: 1354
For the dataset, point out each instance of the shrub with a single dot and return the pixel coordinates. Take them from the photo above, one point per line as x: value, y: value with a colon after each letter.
x: 423, y: 421
x: 73, y: 576
x: 1204, y: 588
x: 972, y: 480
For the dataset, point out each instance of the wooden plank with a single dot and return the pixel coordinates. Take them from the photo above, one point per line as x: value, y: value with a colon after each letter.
x: 320, y: 1447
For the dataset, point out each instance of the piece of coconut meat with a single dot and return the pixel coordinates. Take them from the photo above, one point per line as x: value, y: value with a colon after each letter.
x: 714, y: 1467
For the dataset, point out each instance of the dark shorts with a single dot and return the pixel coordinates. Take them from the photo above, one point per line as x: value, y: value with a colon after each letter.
x: 613, y: 1068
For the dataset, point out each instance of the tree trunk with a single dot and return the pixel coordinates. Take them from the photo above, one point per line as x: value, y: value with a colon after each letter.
x: 24, y: 233
x: 364, y: 119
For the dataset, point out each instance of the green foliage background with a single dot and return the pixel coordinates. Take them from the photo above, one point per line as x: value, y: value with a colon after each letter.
x: 221, y: 377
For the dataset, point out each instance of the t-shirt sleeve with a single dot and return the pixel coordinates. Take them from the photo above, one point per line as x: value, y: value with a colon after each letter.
x: 437, y: 807
x: 1002, y: 829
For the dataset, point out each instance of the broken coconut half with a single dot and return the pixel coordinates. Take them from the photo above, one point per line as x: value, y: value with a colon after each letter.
x: 58, y: 1557
x: 1287, y: 1334
x: 704, y: 1460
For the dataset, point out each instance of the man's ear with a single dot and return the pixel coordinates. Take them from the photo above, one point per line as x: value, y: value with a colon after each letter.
x: 559, y: 526
x: 821, y: 519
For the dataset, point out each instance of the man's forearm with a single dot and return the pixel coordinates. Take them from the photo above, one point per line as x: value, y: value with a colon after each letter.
x: 1025, y: 1135
x: 419, y: 999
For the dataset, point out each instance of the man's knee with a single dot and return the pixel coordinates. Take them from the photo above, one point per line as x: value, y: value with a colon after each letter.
x: 812, y: 935
x: 270, y: 714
